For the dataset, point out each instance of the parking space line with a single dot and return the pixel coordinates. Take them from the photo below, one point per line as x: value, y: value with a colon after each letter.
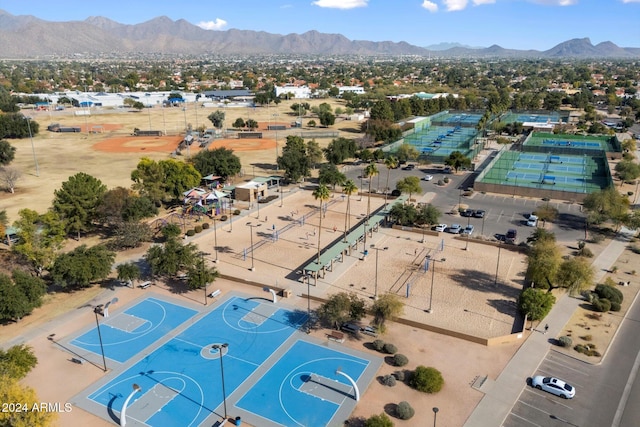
x: 551, y: 374
x: 544, y: 396
x: 564, y: 365
x: 526, y: 420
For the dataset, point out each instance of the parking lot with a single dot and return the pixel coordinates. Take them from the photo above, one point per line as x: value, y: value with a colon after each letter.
x: 539, y: 408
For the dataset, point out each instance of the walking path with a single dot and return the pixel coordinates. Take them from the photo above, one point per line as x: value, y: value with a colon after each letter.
x: 502, y: 394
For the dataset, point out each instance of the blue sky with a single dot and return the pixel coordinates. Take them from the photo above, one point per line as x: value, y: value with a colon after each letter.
x: 515, y: 24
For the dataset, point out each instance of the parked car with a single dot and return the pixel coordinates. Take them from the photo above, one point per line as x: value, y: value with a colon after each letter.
x: 454, y: 229
x: 479, y: 213
x: 409, y: 167
x: 447, y: 169
x: 427, y: 177
x: 350, y: 327
x: 554, y: 386
x: 440, y: 227
x: 468, y: 230
x: 467, y: 212
x: 370, y: 330
x: 512, y: 235
x: 532, y: 221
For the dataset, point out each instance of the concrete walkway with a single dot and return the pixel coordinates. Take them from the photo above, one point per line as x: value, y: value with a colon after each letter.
x: 502, y: 394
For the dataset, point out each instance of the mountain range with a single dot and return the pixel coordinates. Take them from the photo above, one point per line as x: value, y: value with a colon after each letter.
x: 26, y: 36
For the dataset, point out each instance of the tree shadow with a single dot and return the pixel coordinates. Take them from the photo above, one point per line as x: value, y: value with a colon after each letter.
x: 225, y: 249
x: 569, y: 221
x: 483, y: 282
x: 391, y: 409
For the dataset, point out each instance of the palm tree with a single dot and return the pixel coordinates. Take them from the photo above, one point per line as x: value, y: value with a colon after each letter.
x: 321, y: 193
x: 348, y: 188
x: 370, y: 171
x: 391, y: 163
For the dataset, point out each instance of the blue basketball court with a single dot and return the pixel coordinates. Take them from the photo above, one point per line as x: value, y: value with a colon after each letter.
x: 274, y: 374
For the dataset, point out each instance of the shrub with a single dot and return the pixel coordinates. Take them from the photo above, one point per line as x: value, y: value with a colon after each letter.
x: 609, y: 292
x: 446, y: 180
x: 171, y: 230
x: 565, y: 341
x: 197, y: 229
x: 236, y: 212
x: 585, y: 252
x: 586, y: 337
x: 632, y: 272
x: 378, y: 345
x: 404, y: 410
x: 615, y: 306
x: 614, y: 269
x: 381, y: 420
x: 426, y: 380
x: 635, y: 249
x: 602, y: 305
x: 400, y: 359
x: 389, y: 380
x: 191, y: 233
x: 205, y: 225
x: 223, y: 218
x: 400, y: 375
x: 390, y: 348
x: 610, y: 282
x: 440, y: 182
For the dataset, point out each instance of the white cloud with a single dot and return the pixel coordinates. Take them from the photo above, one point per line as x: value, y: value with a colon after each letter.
x: 218, y: 24
x: 479, y: 2
x: 455, y: 5
x: 430, y: 6
x: 630, y: 1
x: 286, y: 6
x: 340, y: 4
x: 556, y: 2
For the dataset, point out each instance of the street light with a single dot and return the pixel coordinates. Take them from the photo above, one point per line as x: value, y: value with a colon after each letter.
x: 435, y: 415
x: 375, y: 294
x: 33, y: 148
x: 98, y: 309
x: 251, y: 227
x: 123, y: 413
x: 495, y: 282
x: 220, y: 348
x: 215, y: 239
x: 433, y: 272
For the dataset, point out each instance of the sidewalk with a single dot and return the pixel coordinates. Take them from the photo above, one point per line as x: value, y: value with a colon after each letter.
x: 504, y: 392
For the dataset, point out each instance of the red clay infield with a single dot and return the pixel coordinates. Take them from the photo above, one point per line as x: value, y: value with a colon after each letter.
x: 167, y: 144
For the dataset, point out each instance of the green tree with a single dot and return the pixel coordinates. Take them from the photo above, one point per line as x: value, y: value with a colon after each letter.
x: 217, y: 119
x: 7, y: 152
x: 251, y: 124
x: 148, y: 180
x: 171, y: 231
x: 426, y: 379
x: 326, y: 118
x: 239, y: 123
x: 17, y: 361
x: 607, y: 204
x: 39, y: 237
x: 382, y: 110
x: 130, y: 234
x: 341, y: 307
x: 179, y: 177
x: 457, y: 160
x: 323, y: 194
x: 82, y: 266
x: 121, y: 204
x: 314, y: 152
x: 164, y: 180
x: 340, y: 149
x: 575, y: 274
x: 4, y: 221
x: 330, y: 175
x: 12, y: 391
x: 428, y: 215
x: 13, y: 303
x: 627, y: 171
x: 535, y: 304
x: 403, y: 214
x: 294, y: 160
x: 128, y: 272
x: 219, y: 162
x: 543, y: 262
x: 171, y: 258
x: 348, y: 188
x: 199, y: 275
x: 409, y: 184
x: 407, y: 152
x: 369, y: 172
x: 386, y: 307
x: 76, y: 202
x: 391, y: 163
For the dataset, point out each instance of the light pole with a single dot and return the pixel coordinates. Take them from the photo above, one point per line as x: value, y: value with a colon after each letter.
x: 97, y: 310
x: 33, y: 148
x: 215, y: 239
x: 204, y: 285
x: 495, y: 282
x: 435, y: 415
x: 466, y: 246
x: 375, y: 293
x: 251, y: 226
x: 220, y: 348
x: 123, y: 413
x: 433, y: 273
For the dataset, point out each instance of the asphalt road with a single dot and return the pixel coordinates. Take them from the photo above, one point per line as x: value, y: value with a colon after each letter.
x: 502, y: 212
